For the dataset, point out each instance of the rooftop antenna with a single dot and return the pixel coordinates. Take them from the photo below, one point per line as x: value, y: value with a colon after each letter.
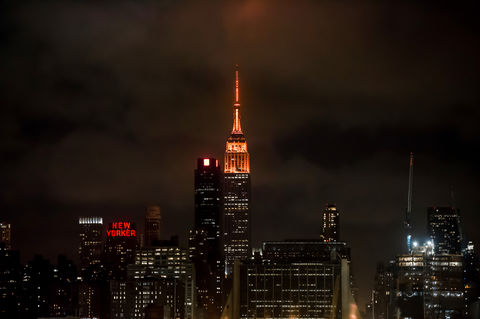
x: 407, y: 224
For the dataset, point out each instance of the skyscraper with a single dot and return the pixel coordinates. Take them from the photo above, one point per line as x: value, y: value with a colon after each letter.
x: 152, y: 225
x: 236, y: 191
x: 91, y: 239
x: 93, y: 286
x: 204, y: 241
x: 444, y: 230
x: 330, y: 223
x: 5, y: 235
x: 120, y: 248
x: 208, y: 198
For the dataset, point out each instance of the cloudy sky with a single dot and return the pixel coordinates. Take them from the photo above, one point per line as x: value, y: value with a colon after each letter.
x: 105, y: 106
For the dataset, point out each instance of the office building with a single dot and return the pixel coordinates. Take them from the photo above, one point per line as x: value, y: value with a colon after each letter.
x: 293, y: 279
x: 444, y: 289
x: 208, y: 200
x: 409, y: 280
x: 10, y: 283
x: 6, y: 235
x: 471, y: 279
x: 330, y: 223
x: 237, y: 233
x: 205, y: 249
x: 94, y: 297
x: 63, y: 294
x: 120, y: 248
x: 304, y: 250
x: 152, y: 226
x: 382, y: 291
x: 444, y: 230
x: 160, y: 276
x: 91, y: 244
x: 428, y: 285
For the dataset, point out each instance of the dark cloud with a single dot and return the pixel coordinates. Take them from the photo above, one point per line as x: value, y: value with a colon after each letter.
x: 106, y: 105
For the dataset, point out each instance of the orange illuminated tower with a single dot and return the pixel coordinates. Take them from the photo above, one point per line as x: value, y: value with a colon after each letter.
x: 236, y: 190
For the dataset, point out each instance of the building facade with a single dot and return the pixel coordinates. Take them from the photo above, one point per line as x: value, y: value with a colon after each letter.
x: 444, y: 230
x: 91, y: 242
x: 93, y: 285
x: 6, y: 235
x: 330, y: 223
x: 293, y: 279
x: 444, y: 289
x: 427, y: 285
x: 120, y: 247
x: 205, y: 247
x: 160, y: 276
x: 237, y: 228
x: 153, y: 218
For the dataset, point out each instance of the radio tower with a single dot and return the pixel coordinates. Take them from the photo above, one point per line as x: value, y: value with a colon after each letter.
x: 407, y: 223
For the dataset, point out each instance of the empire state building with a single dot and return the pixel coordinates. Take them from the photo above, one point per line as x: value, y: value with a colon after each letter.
x: 237, y: 234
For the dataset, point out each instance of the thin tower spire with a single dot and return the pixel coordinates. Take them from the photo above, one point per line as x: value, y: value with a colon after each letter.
x: 237, y: 128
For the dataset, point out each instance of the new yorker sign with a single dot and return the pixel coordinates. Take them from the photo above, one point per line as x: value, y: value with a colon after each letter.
x: 121, y: 229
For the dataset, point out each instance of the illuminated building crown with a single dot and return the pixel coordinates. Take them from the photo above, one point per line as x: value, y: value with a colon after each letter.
x: 236, y: 155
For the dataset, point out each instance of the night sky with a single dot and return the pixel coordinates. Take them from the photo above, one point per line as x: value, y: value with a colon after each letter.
x: 105, y: 106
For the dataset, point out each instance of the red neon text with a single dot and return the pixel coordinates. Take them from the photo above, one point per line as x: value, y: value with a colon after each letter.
x: 121, y: 229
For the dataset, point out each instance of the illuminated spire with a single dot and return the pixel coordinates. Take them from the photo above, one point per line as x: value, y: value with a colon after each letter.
x: 237, y: 128
x: 236, y: 154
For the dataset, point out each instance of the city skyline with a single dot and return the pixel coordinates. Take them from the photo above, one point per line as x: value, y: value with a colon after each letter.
x: 328, y: 121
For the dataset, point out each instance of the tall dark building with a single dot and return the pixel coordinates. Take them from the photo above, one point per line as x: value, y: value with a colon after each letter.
x: 152, y: 226
x: 208, y: 199
x: 10, y: 282
x: 381, y: 295
x: 444, y: 230
x: 471, y: 279
x: 237, y: 234
x: 330, y: 223
x: 93, y: 287
x: 63, y: 296
x: 37, y: 276
x: 204, y: 241
x: 91, y: 241
x: 6, y: 235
